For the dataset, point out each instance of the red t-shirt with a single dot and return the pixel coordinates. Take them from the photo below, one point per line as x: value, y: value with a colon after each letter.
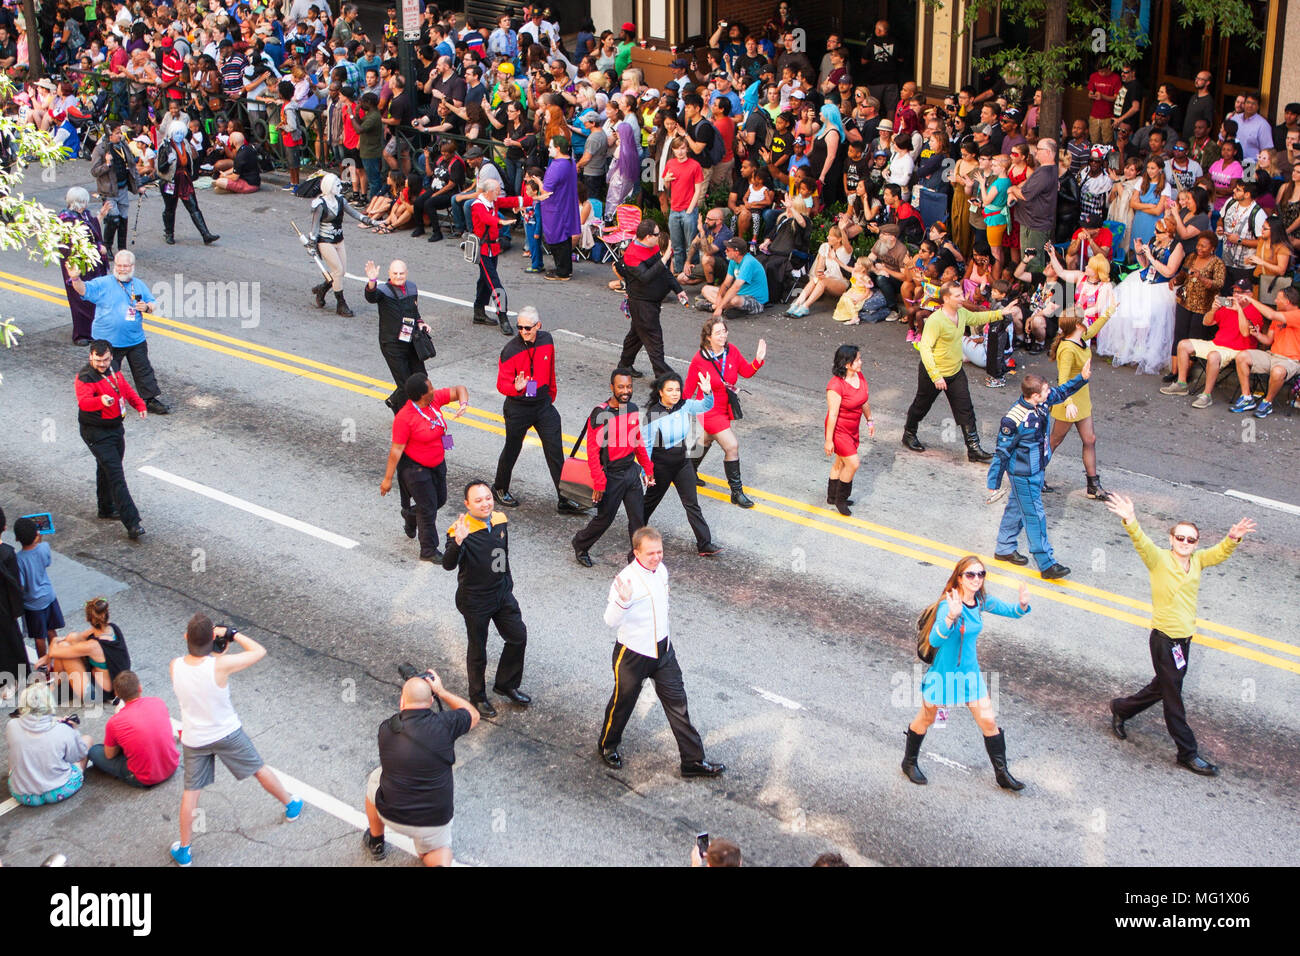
x: 635, y: 253
x: 421, y: 430
x: 1229, y: 335
x: 727, y: 127
x: 1108, y: 85
x: 143, y: 730
x: 687, y: 177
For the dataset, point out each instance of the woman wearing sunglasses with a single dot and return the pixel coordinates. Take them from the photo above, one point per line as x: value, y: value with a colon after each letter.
x: 954, y: 677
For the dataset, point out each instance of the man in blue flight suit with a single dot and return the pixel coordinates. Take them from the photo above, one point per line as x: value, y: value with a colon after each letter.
x: 1022, y: 454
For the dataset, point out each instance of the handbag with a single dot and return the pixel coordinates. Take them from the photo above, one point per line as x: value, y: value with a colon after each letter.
x: 733, y: 395
x: 575, y: 477
x: 423, y: 343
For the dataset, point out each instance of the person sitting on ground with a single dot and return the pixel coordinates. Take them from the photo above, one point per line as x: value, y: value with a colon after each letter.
x: 47, y: 757
x: 244, y: 175
x: 709, y: 248
x: 139, y: 745
x: 100, y: 650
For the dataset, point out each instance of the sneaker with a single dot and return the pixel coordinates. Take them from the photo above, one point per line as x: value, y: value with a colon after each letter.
x: 1175, y: 388
x: 1202, y: 401
x: 1263, y: 409
x: 375, y: 845
x: 991, y: 382
x: 1243, y: 404
x: 293, y: 809
x: 181, y: 854
x: 531, y: 271
x: 288, y: 189
x: 1171, y: 377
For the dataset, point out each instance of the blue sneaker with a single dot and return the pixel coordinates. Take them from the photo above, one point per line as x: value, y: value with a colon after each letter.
x: 181, y: 854
x: 531, y: 271
x: 1244, y: 403
x: 292, y: 810
x: 1263, y: 409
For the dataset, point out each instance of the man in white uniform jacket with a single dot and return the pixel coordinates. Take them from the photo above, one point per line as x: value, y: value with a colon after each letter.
x: 638, y: 607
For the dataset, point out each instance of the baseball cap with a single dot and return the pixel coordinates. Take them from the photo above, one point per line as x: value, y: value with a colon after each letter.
x: 1097, y: 152
x: 1164, y: 109
x: 845, y: 80
x: 168, y: 41
x: 1092, y: 221
x: 880, y: 152
x: 679, y: 64
x: 981, y: 129
x: 886, y: 126
x: 797, y: 95
x: 1012, y: 114
x: 650, y: 94
x: 629, y: 26
x: 474, y: 152
x: 1243, y: 285
x: 801, y: 141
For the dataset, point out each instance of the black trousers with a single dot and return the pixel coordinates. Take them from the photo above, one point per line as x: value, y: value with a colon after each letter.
x: 137, y: 356
x: 672, y: 467
x: 1167, y: 688
x: 1190, y: 325
x: 630, y: 670
x: 958, y: 393
x: 431, y: 207
x: 645, y: 330
x: 562, y: 253
x: 521, y: 416
x: 510, y: 625
x: 487, y: 281
x: 108, y: 445
x: 428, y: 490
x: 890, y: 288
x: 402, y: 364
x: 622, y: 487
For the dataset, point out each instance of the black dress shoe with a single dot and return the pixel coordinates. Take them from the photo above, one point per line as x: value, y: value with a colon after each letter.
x: 1117, y: 726
x: 436, y: 557
x: 505, y: 498
x: 567, y: 507
x: 1048, y: 489
x: 108, y: 515
x: 504, y: 322
x: 702, y: 768
x: 83, y: 341
x: 612, y: 758
x: 158, y: 407
x: 911, y: 441
x: 709, y: 550
x: 1015, y: 557
x: 484, y: 707
x: 515, y: 696
x: 135, y: 533
x: 637, y: 373
x: 408, y: 522
x: 1057, y: 570
x: 583, y: 558
x: 1198, y: 764
x: 434, y: 237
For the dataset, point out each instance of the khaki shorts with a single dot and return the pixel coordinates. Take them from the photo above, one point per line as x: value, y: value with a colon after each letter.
x: 426, y: 839
x: 1262, y: 363
x: 1204, y: 348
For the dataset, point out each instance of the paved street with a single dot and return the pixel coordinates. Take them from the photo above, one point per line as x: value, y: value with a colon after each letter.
x: 796, y: 642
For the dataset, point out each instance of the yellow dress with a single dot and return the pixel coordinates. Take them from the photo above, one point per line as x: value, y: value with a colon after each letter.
x: 846, y: 309
x: 959, y: 217
x: 1070, y: 358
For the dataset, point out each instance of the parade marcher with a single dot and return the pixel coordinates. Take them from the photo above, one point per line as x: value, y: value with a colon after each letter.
x: 177, y: 164
x: 119, y: 300
x: 102, y: 397
x: 614, y: 447
x: 638, y: 607
x: 486, y: 225
x: 399, y: 317
x: 325, y: 237
x: 526, y: 377
x: 116, y: 179
x: 667, y: 423
x: 1071, y: 352
x: 954, y: 677
x: 846, y: 404
x: 723, y: 365
x: 418, y: 453
x: 83, y: 312
x: 648, y: 282
x: 941, y: 370
x: 478, y: 549
x: 1022, y: 455
x: 1175, y: 589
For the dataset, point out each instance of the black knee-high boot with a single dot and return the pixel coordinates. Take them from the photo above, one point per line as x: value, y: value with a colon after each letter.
x: 997, y: 748
x: 699, y: 482
x: 738, y: 496
x: 910, y: 753
x: 842, y: 497
x: 832, y: 488
x: 196, y: 215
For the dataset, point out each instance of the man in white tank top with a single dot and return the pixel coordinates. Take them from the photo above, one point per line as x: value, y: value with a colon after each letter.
x: 210, y: 728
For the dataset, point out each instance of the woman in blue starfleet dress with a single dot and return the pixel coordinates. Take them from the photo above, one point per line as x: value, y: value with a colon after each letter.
x: 954, y: 676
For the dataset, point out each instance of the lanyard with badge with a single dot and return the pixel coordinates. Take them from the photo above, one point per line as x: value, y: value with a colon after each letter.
x: 132, y: 313
x: 408, y: 321
x: 435, y: 423
x: 121, y: 402
x: 530, y: 386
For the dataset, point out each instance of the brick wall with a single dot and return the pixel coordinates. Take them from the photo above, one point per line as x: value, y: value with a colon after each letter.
x: 815, y: 17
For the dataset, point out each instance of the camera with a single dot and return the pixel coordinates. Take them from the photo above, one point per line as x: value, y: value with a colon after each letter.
x: 219, y: 644
x: 72, y: 720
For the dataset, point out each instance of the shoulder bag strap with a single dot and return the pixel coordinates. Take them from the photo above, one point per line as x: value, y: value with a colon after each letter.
x: 578, y: 444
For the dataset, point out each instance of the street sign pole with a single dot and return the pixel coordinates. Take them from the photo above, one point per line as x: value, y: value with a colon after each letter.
x: 410, y: 21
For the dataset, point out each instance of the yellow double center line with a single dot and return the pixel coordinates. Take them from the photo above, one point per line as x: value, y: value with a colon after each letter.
x: 902, y: 543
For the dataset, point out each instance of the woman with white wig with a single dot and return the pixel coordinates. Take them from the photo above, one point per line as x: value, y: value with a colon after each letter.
x: 83, y: 313
x: 47, y: 757
x: 325, y: 238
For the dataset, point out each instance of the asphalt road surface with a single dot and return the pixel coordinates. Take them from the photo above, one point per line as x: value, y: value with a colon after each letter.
x: 795, y: 642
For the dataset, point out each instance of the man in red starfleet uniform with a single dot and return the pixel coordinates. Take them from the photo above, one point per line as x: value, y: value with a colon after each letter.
x: 102, y: 398
x: 614, y: 447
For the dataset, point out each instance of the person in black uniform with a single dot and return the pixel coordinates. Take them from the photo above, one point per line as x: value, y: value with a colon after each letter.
x: 647, y: 281
x: 526, y: 377
x: 399, y: 314
x: 614, y: 447
x: 479, y: 550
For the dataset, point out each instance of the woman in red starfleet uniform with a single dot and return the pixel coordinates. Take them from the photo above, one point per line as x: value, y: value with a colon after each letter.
x: 846, y: 404
x: 723, y: 365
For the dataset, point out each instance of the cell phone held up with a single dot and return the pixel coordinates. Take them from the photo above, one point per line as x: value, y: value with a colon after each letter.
x: 702, y: 844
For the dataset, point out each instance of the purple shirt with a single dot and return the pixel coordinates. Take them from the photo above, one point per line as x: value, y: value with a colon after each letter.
x: 560, y: 209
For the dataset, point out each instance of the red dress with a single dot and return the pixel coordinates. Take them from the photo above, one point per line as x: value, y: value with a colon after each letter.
x: 849, y: 420
x: 1013, y: 231
x: 733, y: 365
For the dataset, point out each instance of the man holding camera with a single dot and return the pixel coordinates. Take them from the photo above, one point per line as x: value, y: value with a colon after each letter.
x: 412, y: 791
x: 210, y: 728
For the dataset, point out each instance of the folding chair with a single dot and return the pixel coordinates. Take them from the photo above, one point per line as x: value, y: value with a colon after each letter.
x: 1117, y: 230
x: 626, y: 218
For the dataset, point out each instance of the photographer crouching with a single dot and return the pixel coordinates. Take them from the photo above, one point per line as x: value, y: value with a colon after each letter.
x: 411, y: 791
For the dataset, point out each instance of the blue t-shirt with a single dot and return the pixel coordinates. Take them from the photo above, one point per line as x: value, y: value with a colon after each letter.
x: 38, y: 592
x: 753, y: 280
x: 116, y: 319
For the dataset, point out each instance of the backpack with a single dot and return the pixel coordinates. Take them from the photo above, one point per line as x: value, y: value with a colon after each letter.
x: 924, y: 624
x: 717, y: 148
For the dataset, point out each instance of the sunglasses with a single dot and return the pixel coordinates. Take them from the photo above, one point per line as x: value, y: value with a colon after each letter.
x: 973, y: 575
x: 525, y: 328
x: 1185, y: 539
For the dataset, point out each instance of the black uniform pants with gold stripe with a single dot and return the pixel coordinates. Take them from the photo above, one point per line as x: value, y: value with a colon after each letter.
x: 630, y: 670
